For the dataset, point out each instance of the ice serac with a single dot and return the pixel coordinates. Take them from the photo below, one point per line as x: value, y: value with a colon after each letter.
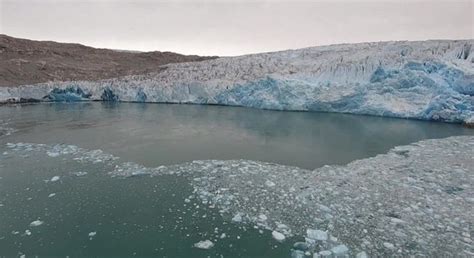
x: 431, y: 80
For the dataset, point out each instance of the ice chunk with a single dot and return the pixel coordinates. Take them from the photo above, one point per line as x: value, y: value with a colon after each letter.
x: 278, y: 236
x: 80, y: 173
x: 301, y: 246
x: 388, y: 245
x: 54, y: 179
x: 317, y: 234
x: 92, y: 235
x: 297, y: 254
x: 237, y: 218
x: 340, y: 250
x: 262, y: 217
x: 397, y: 221
x: 324, y: 208
x: 269, y: 183
x: 36, y: 223
x: 206, y: 244
x: 53, y: 154
x: 325, y: 253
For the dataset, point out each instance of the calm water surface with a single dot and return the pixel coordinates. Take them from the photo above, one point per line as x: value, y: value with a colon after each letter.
x: 151, y: 216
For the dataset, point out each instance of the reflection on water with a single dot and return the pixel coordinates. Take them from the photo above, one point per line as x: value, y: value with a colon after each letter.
x: 156, y: 134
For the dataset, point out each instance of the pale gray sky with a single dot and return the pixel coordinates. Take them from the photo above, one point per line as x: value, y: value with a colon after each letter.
x: 234, y: 27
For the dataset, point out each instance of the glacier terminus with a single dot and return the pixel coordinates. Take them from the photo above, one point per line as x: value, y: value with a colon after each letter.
x: 428, y: 80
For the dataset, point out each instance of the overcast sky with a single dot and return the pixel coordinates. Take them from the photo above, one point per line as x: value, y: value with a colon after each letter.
x: 233, y: 27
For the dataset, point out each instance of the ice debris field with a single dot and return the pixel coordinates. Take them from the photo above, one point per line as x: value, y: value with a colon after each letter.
x: 414, y: 200
x: 429, y: 80
x: 5, y: 129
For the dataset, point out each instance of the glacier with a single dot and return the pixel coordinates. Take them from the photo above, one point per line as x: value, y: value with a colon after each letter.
x: 429, y: 80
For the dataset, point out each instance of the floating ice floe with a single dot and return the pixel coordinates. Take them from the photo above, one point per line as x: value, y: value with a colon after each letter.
x: 388, y: 245
x: 206, y: 244
x: 53, y: 154
x: 340, y: 250
x: 76, y: 153
x: 278, y: 236
x: 269, y: 183
x: 5, y: 130
x: 395, y: 196
x: 80, y: 173
x: 315, y: 234
x: 362, y: 255
x: 131, y: 169
x: 92, y: 235
x: 36, y: 223
x: 324, y: 253
x: 418, y: 195
x: 237, y: 218
x: 54, y: 179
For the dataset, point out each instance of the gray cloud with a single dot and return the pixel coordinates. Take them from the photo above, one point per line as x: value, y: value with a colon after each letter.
x: 233, y: 27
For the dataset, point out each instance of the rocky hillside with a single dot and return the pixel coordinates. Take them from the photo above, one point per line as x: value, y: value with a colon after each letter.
x: 25, y: 61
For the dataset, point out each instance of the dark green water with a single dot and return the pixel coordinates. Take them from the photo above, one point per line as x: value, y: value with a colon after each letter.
x: 148, y: 216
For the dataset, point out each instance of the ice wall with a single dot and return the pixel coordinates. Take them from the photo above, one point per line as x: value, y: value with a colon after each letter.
x: 432, y: 80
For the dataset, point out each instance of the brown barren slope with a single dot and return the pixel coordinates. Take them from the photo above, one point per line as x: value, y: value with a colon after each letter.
x: 25, y: 61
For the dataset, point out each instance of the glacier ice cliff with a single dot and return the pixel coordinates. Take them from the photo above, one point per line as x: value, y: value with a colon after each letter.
x: 430, y: 80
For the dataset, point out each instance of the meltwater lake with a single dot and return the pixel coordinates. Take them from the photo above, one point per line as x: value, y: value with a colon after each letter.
x: 75, y: 181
